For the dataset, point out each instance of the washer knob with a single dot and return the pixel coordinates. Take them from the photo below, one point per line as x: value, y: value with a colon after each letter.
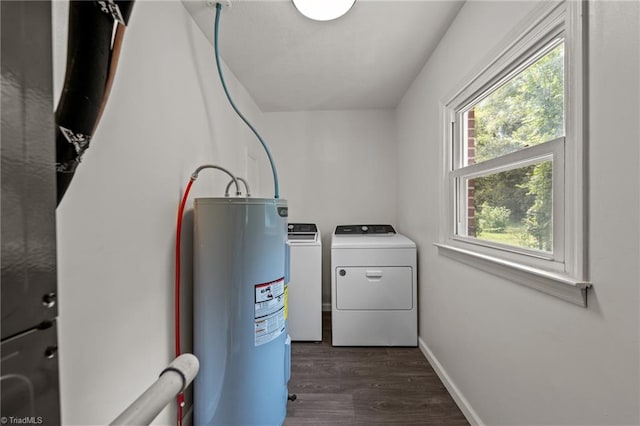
x: 364, y: 228
x: 290, y: 227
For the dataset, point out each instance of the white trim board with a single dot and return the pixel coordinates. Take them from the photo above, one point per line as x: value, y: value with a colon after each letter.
x: 458, y: 397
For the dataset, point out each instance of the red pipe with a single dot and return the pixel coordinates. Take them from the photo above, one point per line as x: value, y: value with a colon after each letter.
x: 180, y: 397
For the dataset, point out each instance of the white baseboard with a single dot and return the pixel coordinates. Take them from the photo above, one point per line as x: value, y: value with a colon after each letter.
x: 461, y: 401
x: 326, y: 307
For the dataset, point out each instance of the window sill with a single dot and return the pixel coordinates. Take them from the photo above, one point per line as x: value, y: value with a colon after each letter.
x: 561, y: 286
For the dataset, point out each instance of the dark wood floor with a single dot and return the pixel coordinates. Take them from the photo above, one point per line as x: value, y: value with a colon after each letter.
x: 365, y: 385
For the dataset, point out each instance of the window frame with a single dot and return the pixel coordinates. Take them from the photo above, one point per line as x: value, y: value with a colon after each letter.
x: 564, y: 272
x: 548, y: 151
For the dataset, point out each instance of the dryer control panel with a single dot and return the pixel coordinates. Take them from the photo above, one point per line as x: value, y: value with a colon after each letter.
x: 364, y: 229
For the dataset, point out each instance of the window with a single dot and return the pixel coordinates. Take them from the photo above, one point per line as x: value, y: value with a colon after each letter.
x: 514, y: 144
x: 504, y: 186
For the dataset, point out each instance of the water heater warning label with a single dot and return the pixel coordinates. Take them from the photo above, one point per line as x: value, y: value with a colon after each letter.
x: 269, y: 311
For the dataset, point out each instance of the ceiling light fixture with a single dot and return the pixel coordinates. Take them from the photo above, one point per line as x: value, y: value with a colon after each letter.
x: 323, y: 10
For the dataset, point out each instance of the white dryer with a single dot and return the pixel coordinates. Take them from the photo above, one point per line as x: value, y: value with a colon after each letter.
x: 304, y: 290
x: 373, y: 287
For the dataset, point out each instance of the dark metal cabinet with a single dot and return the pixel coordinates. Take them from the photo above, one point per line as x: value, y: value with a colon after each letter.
x: 30, y: 376
x: 29, y: 381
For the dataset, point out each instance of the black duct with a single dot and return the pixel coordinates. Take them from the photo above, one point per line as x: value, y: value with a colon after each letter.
x: 90, y: 54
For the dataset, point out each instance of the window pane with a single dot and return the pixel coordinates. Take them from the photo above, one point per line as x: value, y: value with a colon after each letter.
x: 513, y: 207
x: 527, y: 110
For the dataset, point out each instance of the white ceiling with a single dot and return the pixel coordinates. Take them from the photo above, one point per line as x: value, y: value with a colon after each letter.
x: 366, y: 59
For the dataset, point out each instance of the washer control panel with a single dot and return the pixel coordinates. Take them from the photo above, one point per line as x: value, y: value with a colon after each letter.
x: 302, y: 232
x: 301, y: 227
x: 364, y: 229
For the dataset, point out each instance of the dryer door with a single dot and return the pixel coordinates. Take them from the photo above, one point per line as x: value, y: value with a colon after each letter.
x: 374, y: 288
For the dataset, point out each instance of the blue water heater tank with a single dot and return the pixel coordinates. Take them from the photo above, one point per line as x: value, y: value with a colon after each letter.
x: 240, y: 311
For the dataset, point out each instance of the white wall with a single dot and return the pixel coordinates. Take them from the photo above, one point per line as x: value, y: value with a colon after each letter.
x: 518, y: 356
x: 116, y: 225
x: 335, y: 167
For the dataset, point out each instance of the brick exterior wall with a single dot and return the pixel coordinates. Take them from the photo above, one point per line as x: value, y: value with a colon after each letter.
x: 471, y: 155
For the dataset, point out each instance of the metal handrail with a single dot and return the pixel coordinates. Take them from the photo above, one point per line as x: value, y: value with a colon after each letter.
x: 173, y: 380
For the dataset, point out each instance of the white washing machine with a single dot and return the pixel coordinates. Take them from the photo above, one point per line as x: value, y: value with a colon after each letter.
x: 373, y: 287
x: 305, y: 282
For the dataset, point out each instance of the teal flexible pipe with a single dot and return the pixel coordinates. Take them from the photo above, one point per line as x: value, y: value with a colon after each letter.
x: 235, y: 108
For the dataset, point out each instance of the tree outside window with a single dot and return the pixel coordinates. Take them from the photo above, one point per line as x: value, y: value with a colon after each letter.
x: 515, y: 206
